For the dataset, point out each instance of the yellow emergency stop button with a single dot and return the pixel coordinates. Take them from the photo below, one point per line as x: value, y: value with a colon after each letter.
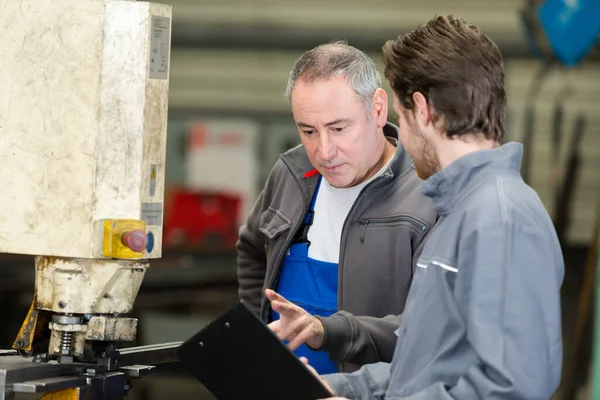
x: 124, y: 238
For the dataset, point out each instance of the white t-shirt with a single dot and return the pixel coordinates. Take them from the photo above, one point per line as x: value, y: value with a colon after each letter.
x: 331, y: 208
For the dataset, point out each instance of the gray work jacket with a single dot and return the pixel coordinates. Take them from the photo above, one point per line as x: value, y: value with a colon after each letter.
x: 482, y: 320
x: 382, y: 232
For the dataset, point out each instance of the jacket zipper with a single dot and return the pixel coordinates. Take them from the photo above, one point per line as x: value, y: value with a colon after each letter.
x: 344, y: 239
x: 365, y: 223
x: 415, y: 223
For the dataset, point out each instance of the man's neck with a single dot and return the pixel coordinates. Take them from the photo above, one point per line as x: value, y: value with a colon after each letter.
x: 450, y: 150
x: 388, y: 152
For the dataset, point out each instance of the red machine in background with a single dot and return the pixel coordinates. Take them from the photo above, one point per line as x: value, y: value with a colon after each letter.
x: 200, y: 221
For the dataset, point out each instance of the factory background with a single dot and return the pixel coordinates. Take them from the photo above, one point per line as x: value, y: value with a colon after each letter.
x: 229, y: 121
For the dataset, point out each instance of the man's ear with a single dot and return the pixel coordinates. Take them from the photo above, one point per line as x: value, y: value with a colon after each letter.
x: 379, y: 107
x: 423, y: 113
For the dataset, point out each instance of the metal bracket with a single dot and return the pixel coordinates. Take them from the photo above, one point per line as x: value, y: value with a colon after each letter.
x: 33, y: 329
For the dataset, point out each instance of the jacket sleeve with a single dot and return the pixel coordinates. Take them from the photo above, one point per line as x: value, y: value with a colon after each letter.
x: 368, y: 383
x: 514, y: 327
x: 364, y: 340
x: 359, y: 340
x: 251, y: 258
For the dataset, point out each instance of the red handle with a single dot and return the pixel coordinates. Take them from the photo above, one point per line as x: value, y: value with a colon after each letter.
x: 136, y: 240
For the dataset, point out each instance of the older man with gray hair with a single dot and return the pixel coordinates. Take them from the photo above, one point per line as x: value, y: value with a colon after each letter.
x: 326, y: 255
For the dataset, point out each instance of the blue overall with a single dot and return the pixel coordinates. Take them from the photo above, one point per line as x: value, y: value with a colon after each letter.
x: 312, y: 285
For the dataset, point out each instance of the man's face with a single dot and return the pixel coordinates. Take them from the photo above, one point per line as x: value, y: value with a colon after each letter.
x: 417, y: 143
x: 341, y: 141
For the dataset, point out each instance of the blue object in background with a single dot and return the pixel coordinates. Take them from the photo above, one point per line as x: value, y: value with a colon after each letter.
x: 572, y: 27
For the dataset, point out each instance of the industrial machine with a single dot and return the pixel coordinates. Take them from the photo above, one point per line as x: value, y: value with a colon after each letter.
x: 83, y: 114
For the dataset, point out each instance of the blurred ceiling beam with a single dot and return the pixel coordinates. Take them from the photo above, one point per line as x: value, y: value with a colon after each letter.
x: 263, y: 37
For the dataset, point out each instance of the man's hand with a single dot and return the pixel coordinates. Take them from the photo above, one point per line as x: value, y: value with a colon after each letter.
x: 323, y: 381
x: 294, y: 324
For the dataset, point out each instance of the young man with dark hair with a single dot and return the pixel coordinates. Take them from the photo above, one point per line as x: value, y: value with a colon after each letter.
x: 482, y: 320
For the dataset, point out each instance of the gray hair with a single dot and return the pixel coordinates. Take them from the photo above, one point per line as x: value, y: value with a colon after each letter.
x: 337, y: 59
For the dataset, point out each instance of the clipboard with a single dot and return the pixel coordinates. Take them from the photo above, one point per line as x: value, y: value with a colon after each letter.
x: 238, y: 357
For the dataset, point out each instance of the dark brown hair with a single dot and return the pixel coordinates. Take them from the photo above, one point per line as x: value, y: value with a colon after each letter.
x: 457, y: 68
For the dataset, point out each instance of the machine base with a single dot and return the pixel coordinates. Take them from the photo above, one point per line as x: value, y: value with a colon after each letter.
x: 109, y: 378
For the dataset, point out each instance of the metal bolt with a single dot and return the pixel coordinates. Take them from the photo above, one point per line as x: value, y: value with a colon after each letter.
x: 227, y: 325
x: 65, y: 359
x: 201, y: 344
x: 20, y: 343
x: 62, y: 304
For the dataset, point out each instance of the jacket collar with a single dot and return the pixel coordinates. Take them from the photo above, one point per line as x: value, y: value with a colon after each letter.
x: 447, y: 186
x: 307, y: 176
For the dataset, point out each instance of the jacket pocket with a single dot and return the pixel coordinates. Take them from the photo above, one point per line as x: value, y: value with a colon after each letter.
x: 272, y: 223
x: 414, y: 223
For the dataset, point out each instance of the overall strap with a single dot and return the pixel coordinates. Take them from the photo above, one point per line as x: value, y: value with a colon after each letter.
x: 302, y: 236
x: 311, y: 208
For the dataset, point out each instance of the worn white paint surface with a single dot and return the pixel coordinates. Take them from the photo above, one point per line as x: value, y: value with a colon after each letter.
x: 154, y: 149
x: 79, y: 333
x: 97, y: 328
x: 111, y: 328
x: 133, y: 117
x: 86, y: 286
x: 81, y: 122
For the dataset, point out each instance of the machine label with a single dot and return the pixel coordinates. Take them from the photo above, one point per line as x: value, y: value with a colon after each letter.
x: 159, y: 47
x: 152, y: 180
x: 152, y: 213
